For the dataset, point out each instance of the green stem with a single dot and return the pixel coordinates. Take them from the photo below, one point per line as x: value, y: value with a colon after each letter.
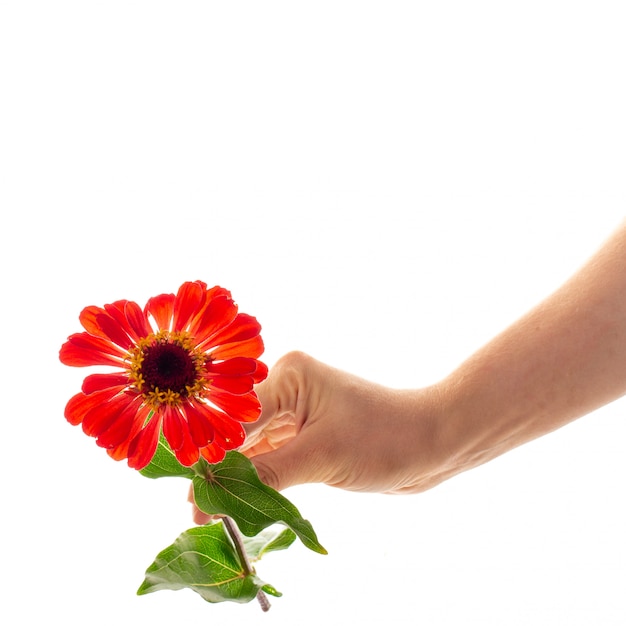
x: 237, y: 540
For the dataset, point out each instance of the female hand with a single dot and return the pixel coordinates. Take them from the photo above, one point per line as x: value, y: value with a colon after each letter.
x: 322, y: 425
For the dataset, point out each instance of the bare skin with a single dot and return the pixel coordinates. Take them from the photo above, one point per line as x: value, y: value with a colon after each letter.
x: 562, y: 360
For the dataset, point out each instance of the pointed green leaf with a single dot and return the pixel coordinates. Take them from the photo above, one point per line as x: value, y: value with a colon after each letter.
x: 269, y: 540
x: 233, y: 488
x: 203, y: 559
x: 272, y: 591
x: 164, y: 463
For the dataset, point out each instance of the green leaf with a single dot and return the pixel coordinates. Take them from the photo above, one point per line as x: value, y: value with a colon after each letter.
x: 269, y: 540
x: 203, y: 559
x: 233, y: 488
x: 272, y: 591
x: 165, y: 464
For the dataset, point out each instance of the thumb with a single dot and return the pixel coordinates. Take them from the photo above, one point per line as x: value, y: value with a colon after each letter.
x: 286, y: 466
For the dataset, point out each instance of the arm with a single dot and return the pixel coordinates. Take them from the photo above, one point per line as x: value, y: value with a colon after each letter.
x: 562, y: 360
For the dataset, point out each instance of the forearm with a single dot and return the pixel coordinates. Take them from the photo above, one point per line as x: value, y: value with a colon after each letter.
x: 562, y: 360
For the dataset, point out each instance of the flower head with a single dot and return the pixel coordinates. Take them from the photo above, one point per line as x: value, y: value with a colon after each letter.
x: 186, y: 365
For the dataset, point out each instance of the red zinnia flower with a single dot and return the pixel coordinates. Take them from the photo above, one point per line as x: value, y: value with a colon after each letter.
x: 189, y: 374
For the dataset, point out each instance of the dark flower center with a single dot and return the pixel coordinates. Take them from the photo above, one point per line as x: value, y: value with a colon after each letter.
x: 168, y: 367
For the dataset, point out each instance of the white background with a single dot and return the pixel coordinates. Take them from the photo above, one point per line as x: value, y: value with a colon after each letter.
x: 385, y: 185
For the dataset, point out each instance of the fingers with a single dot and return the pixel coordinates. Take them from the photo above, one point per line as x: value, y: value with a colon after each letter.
x: 280, y: 391
x: 277, y: 444
x: 274, y: 470
x: 270, y: 403
x: 279, y: 396
x: 298, y: 462
x: 275, y: 434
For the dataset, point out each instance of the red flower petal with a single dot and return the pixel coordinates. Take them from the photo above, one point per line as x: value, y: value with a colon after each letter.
x: 243, y: 327
x: 261, y: 372
x: 120, y: 429
x: 99, y: 344
x: 215, y: 292
x: 161, y: 308
x: 200, y: 427
x: 106, y: 323
x: 204, y: 286
x: 87, y: 318
x: 213, y: 453
x: 102, y: 416
x: 114, y: 331
x: 209, y: 295
x: 246, y: 408
x: 97, y: 382
x: 116, y: 311
x: 80, y: 404
x: 237, y: 385
x: 229, y: 434
x: 130, y: 317
x: 219, y: 312
x: 251, y: 348
x: 188, y: 453
x: 137, y: 320
x: 144, y: 444
x: 120, y: 451
x: 82, y: 350
x: 231, y: 437
x: 173, y: 427
x: 189, y: 300
x: 238, y: 366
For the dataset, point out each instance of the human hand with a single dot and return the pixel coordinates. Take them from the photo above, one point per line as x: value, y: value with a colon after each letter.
x: 322, y: 425
x: 563, y: 359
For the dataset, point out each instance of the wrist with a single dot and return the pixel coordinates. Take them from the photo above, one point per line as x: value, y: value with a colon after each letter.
x: 478, y: 423
x: 430, y: 437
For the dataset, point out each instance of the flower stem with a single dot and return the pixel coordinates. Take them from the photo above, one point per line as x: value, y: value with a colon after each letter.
x: 237, y: 540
